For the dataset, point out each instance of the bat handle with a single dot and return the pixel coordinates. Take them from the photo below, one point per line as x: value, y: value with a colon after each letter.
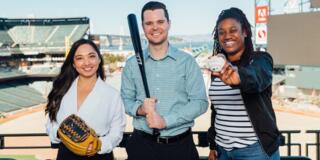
x: 156, y: 132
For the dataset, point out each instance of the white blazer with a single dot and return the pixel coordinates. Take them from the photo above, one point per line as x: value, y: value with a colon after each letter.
x: 102, y: 110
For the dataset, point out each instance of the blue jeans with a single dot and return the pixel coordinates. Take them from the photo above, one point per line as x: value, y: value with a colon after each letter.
x: 251, y: 152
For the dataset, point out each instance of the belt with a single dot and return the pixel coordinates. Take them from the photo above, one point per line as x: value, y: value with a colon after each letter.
x: 163, y: 140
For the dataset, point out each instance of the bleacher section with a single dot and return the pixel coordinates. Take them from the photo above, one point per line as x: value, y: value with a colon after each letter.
x: 34, y: 36
x: 31, y: 53
x: 45, y: 70
x: 19, y: 93
x: 60, y: 32
x: 43, y: 87
x: 46, y: 36
x: 18, y: 96
x: 8, y: 73
x: 5, y: 39
x: 81, y: 30
x: 30, y: 34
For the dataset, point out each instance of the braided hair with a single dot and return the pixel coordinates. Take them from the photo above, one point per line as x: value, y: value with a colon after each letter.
x: 238, y: 15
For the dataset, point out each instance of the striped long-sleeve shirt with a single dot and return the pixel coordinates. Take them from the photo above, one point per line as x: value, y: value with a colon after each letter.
x: 232, y: 124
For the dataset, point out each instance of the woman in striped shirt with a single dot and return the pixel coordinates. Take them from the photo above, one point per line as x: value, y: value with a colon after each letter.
x: 243, y: 124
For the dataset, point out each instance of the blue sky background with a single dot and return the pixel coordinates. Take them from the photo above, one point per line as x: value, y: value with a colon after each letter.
x: 188, y: 17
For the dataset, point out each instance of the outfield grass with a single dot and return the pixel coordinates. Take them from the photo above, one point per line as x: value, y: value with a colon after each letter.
x: 21, y: 157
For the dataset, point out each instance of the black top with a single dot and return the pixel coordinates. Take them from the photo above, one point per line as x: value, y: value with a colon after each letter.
x: 255, y: 87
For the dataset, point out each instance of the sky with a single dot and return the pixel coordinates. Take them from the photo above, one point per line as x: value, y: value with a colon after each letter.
x: 188, y: 17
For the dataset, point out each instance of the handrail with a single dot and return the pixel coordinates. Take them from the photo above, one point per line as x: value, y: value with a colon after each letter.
x: 288, y: 142
x: 317, y: 143
x: 201, y: 140
x: 2, y: 140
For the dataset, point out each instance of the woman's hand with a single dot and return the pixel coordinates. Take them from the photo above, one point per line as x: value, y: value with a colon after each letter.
x: 90, y: 148
x: 229, y: 74
x: 212, y: 155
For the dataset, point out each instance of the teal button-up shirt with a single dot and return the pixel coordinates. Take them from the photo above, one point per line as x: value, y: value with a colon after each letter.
x: 177, y: 83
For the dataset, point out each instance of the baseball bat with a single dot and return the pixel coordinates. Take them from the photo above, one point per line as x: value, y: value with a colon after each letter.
x: 135, y: 38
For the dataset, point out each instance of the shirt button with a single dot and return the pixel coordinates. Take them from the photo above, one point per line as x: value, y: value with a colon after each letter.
x: 157, y: 75
x: 157, y: 89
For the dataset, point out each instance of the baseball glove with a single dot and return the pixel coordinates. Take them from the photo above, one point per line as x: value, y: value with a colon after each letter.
x: 76, y: 135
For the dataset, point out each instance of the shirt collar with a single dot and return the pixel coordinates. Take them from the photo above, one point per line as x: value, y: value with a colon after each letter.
x: 171, y: 52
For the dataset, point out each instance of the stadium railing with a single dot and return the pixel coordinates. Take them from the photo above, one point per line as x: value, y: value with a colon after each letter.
x: 316, y: 144
x: 287, y: 141
x: 200, y: 138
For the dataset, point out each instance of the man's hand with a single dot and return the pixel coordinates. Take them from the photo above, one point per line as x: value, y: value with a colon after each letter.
x: 155, y: 120
x: 148, y: 106
x: 212, y: 155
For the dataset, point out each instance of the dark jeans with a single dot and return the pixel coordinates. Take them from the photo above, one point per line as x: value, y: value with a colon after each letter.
x: 251, y: 152
x: 141, y: 148
x: 65, y: 154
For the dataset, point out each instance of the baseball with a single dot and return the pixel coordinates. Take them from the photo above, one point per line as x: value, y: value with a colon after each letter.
x: 215, y: 63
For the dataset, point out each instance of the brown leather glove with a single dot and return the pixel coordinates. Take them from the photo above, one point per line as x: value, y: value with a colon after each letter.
x: 76, y: 135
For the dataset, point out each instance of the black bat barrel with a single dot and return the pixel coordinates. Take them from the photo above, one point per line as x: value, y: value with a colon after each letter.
x: 135, y: 37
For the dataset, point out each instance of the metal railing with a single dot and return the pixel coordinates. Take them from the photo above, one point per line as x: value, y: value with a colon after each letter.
x: 201, y: 139
x: 201, y: 136
x: 287, y: 140
x: 316, y: 144
x: 3, y: 136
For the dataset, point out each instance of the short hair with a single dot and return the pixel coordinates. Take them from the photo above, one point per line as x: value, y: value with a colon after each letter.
x: 238, y: 15
x: 152, y: 5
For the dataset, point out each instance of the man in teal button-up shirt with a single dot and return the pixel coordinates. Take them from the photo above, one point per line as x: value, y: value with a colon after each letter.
x: 176, y: 87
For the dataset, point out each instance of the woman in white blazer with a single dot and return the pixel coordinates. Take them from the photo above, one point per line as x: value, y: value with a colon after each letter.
x: 80, y: 89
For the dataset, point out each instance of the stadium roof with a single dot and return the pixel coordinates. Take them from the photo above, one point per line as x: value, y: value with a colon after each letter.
x: 44, y: 21
x: 43, y: 35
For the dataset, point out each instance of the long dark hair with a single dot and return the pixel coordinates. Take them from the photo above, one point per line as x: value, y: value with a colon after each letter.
x: 67, y: 75
x: 237, y: 14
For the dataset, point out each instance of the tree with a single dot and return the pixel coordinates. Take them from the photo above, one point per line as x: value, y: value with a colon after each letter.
x: 2, y: 115
x: 112, y: 58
